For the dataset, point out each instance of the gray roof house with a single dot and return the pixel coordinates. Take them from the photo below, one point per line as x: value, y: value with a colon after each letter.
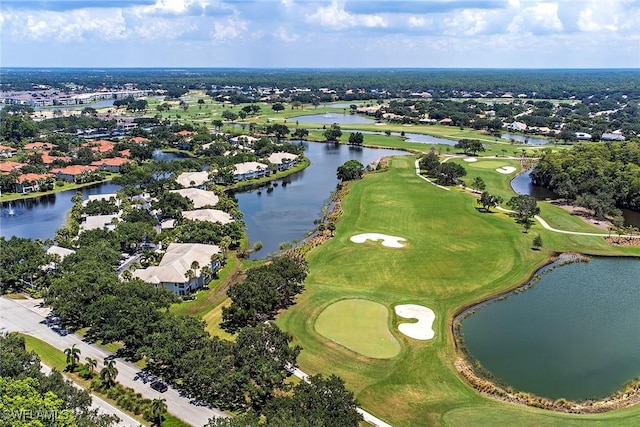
x: 248, y: 170
x: 282, y: 160
x: 192, y: 179
x: 200, y: 198
x: 175, y: 271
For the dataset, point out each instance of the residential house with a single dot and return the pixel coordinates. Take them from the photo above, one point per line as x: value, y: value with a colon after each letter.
x: 6, y: 151
x: 140, y: 140
x: 210, y: 215
x: 517, y: 126
x: 98, y: 222
x: 249, y: 170
x: 7, y: 166
x: 110, y: 197
x: 100, y: 146
x: 446, y: 121
x: 39, y: 146
x: 32, y: 182
x: 200, y: 198
x: 282, y: 160
x: 47, y: 159
x: 583, y: 136
x: 612, y: 136
x: 243, y: 139
x: 181, y: 269
x: 192, y: 179
x: 73, y: 173
x: 111, y: 164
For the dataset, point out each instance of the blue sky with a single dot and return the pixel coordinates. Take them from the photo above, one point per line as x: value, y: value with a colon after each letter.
x: 331, y: 33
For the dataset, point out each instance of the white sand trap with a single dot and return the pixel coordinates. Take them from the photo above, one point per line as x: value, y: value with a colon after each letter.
x: 380, y: 124
x: 422, y: 329
x: 388, y: 241
x: 470, y: 159
x: 506, y: 170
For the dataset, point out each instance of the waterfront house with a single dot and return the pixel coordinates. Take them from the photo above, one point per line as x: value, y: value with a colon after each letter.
x: 517, y: 126
x: 32, y: 182
x: 74, y: 173
x: 249, y: 170
x: 282, y: 161
x: 181, y: 269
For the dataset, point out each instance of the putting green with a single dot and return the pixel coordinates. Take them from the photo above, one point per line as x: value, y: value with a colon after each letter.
x: 359, y: 325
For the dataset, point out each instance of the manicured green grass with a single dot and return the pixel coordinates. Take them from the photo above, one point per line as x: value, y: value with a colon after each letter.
x: 9, y: 197
x: 213, y: 319
x: 457, y: 256
x: 359, y: 325
x: 49, y: 355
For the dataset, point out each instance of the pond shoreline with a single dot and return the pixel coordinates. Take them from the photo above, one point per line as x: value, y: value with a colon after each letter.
x: 484, y: 382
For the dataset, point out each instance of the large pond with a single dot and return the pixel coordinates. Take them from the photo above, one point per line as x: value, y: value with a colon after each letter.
x: 525, y: 139
x: 287, y: 211
x: 574, y: 334
x: 282, y: 214
x: 331, y: 118
x: 40, y: 217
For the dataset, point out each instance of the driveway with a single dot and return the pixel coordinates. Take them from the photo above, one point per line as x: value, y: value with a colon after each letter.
x: 27, y: 317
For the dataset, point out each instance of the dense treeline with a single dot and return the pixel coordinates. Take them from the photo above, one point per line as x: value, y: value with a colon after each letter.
x: 29, y: 397
x: 601, y: 177
x: 247, y: 375
x: 542, y: 83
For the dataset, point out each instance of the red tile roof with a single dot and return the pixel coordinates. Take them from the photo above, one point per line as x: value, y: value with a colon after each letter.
x: 39, y: 146
x: 125, y: 153
x: 9, y: 166
x: 184, y: 133
x: 74, y: 169
x: 115, y: 161
x: 6, y: 148
x: 47, y: 159
x: 32, y: 177
x: 101, y: 145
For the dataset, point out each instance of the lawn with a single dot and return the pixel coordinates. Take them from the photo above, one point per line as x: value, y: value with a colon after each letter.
x: 359, y: 325
x: 456, y: 256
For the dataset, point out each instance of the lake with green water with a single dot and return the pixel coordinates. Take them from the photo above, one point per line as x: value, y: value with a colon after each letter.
x: 574, y: 334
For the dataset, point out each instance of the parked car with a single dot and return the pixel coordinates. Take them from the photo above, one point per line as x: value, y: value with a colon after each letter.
x: 159, y: 386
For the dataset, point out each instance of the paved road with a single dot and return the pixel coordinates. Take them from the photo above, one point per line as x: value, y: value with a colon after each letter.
x: 15, y: 317
x: 103, y: 407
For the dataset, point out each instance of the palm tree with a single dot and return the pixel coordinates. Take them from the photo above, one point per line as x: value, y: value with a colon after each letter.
x: 158, y: 409
x: 91, y: 364
x: 109, y: 373
x: 73, y: 356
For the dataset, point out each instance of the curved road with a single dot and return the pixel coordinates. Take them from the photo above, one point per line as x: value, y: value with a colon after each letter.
x: 26, y: 317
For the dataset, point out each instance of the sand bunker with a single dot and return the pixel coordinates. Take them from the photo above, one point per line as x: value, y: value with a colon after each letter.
x: 422, y: 329
x: 506, y: 170
x: 388, y: 241
x: 470, y: 159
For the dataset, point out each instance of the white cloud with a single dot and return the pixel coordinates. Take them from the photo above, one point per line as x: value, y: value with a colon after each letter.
x: 74, y: 25
x: 334, y: 16
x: 541, y: 18
x: 229, y: 29
x: 609, y: 16
x: 468, y: 22
x: 175, y: 7
x: 163, y: 29
x: 282, y: 34
x: 416, y: 21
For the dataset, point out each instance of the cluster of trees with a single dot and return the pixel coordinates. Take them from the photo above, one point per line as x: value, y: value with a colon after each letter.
x: 448, y: 173
x: 601, y: 177
x: 20, y: 263
x: 49, y: 399
x: 265, y: 290
x: 131, y: 104
x: 350, y: 170
x: 525, y: 207
x: 550, y: 84
x: 470, y: 147
x: 246, y: 375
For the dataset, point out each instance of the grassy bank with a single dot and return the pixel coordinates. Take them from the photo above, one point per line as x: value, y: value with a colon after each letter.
x: 10, y: 197
x: 455, y: 256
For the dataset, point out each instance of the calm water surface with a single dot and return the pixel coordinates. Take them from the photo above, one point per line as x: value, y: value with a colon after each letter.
x: 40, y: 217
x: 574, y: 334
x: 525, y: 139
x: 287, y: 212
x: 331, y: 118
